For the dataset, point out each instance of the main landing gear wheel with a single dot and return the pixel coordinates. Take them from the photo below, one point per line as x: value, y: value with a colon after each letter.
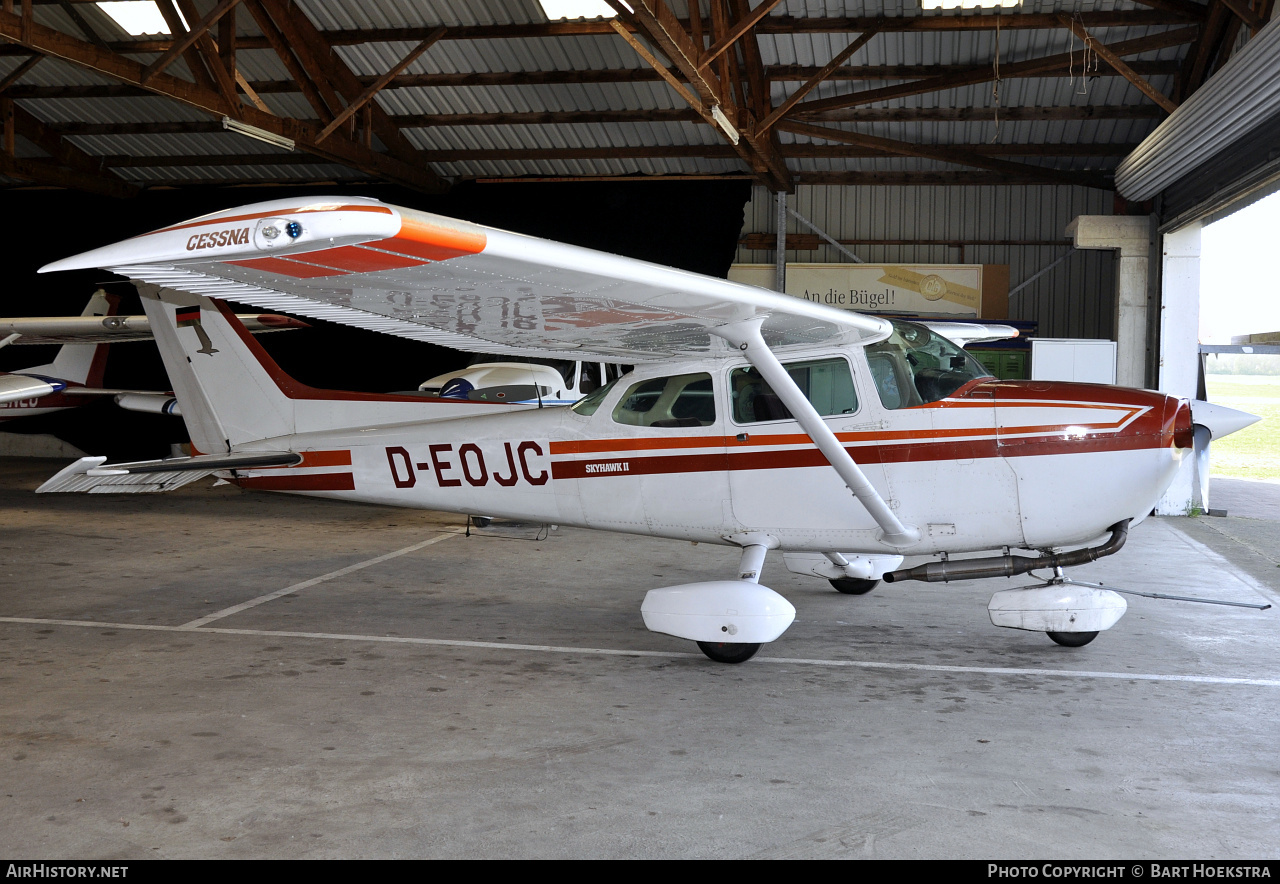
x: 854, y: 586
x: 729, y: 652
x: 1072, y: 639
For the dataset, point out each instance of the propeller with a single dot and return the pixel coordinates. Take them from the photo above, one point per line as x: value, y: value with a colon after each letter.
x: 1212, y: 422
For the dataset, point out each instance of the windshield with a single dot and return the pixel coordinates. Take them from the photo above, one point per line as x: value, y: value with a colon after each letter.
x: 914, y: 366
x: 587, y: 405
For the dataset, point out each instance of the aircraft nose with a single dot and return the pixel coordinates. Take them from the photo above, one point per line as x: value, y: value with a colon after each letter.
x: 1218, y: 419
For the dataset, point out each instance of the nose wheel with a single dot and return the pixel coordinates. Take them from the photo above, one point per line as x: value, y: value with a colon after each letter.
x: 729, y: 652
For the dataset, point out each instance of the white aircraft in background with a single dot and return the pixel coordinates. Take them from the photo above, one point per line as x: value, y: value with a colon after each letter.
x: 532, y: 382
x: 74, y: 377
x: 751, y: 418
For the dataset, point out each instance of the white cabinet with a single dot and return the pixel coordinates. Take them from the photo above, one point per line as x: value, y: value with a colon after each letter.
x: 1073, y: 359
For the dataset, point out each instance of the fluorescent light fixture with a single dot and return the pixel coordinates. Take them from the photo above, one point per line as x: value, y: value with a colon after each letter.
x: 138, y: 17
x: 260, y: 134
x: 556, y: 10
x: 719, y: 117
x: 967, y: 4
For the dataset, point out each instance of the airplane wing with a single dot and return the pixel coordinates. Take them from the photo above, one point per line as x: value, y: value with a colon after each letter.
x: 363, y: 263
x: 114, y: 329
x: 965, y: 333
x: 15, y: 387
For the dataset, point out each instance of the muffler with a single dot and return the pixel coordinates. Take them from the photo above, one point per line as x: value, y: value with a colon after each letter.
x: 1008, y: 566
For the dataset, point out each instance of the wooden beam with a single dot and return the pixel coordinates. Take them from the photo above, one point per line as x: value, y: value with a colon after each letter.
x: 670, y: 151
x: 934, y: 179
x: 704, y: 92
x: 654, y: 21
x: 19, y: 72
x: 772, y: 73
x: 227, y: 42
x: 1196, y: 64
x: 658, y: 67
x: 48, y: 41
x: 130, y: 161
x: 770, y: 24
x: 956, y: 156
x: 10, y: 147
x: 207, y: 49
x: 328, y: 70
x: 174, y: 21
x: 1118, y: 64
x: 85, y: 28
x: 376, y: 86
x: 826, y: 71
x: 970, y: 114
x: 1245, y: 14
x: 735, y: 33
x: 766, y: 144
x: 663, y: 115
x: 83, y: 168
x: 47, y: 172
x: 249, y: 92
x: 188, y: 39
x: 280, y: 45
x: 921, y: 71
x: 986, y: 74
x: 1192, y: 11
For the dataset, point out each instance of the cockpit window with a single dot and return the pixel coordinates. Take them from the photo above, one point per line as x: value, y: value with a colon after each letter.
x: 914, y: 366
x: 683, y: 400
x: 826, y: 383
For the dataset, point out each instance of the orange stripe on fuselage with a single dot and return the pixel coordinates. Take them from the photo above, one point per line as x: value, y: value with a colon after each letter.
x: 591, y: 446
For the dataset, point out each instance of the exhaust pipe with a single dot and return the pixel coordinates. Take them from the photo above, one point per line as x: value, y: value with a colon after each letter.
x: 1008, y: 566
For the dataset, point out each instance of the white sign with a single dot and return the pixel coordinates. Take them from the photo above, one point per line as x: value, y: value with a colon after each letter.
x: 951, y: 289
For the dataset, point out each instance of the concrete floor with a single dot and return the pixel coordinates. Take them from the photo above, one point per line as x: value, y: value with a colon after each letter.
x: 217, y: 673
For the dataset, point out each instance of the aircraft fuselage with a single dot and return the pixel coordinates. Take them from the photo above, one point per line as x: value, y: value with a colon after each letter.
x: 995, y: 463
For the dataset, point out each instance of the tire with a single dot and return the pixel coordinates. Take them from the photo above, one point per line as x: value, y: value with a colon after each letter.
x: 1072, y: 639
x: 729, y: 652
x: 854, y: 586
x: 482, y: 521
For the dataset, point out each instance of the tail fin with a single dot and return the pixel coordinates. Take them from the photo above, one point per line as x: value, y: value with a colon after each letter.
x: 86, y: 363
x: 230, y: 390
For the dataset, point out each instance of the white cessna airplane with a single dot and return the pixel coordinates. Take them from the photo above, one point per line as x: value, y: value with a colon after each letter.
x: 751, y: 418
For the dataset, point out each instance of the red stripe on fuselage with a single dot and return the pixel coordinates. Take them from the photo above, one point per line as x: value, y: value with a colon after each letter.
x: 794, y: 458
x: 313, y: 482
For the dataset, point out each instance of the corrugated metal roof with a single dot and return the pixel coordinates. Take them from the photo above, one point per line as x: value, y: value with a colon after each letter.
x: 607, y: 52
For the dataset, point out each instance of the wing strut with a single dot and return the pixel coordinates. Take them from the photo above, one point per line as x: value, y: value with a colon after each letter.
x: 746, y: 337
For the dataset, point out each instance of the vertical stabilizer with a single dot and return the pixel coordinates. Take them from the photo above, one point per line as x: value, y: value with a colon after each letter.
x: 86, y: 363
x: 222, y: 380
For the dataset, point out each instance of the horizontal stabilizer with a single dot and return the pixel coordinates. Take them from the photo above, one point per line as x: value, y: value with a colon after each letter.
x: 117, y: 329
x: 93, y: 475
x: 16, y: 387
